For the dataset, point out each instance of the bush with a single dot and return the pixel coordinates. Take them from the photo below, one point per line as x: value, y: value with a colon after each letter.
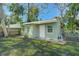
x: 25, y: 37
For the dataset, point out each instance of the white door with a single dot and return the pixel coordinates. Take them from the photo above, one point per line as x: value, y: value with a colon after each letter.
x: 42, y: 31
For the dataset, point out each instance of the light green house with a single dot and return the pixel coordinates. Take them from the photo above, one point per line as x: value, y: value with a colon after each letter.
x: 46, y: 29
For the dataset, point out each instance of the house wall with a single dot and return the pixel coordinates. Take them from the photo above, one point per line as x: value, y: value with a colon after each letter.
x: 14, y: 31
x: 56, y: 31
x: 35, y: 31
x: 32, y: 31
x: 11, y: 31
x: 25, y: 31
x: 40, y: 30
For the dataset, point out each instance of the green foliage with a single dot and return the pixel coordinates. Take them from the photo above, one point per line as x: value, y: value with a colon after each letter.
x: 71, y: 15
x: 34, y: 10
x: 33, y: 14
x: 16, y: 8
x: 17, y: 11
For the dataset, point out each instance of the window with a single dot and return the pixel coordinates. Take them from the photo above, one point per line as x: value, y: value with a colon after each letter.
x: 49, y: 28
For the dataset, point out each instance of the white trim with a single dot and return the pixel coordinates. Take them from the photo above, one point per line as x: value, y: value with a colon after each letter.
x: 41, y: 22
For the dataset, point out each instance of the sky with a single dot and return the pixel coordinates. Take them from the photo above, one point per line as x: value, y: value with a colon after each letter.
x: 50, y: 12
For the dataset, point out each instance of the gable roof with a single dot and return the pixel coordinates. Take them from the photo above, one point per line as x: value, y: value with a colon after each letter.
x: 42, y: 22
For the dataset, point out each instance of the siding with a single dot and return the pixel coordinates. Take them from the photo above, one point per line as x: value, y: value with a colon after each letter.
x: 14, y: 31
x: 56, y: 31
x: 32, y: 31
x: 35, y: 31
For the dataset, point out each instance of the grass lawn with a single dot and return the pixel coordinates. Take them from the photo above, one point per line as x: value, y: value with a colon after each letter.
x: 19, y: 47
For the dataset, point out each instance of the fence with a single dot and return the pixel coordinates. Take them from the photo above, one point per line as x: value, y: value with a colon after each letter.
x: 71, y: 36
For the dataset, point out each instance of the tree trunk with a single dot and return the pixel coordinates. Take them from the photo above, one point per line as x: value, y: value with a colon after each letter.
x: 4, y: 28
x: 62, y: 24
x: 2, y: 21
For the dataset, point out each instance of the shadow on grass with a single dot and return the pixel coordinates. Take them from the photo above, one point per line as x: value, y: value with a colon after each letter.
x: 37, y: 48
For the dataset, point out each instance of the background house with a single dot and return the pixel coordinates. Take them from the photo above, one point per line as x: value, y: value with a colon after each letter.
x: 13, y: 29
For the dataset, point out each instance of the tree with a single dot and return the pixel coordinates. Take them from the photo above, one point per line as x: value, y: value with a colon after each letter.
x: 71, y: 15
x: 62, y: 8
x: 33, y: 14
x: 17, y: 11
x: 2, y: 19
x: 34, y: 10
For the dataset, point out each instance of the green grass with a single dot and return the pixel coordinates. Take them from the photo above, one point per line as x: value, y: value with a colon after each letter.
x: 20, y: 47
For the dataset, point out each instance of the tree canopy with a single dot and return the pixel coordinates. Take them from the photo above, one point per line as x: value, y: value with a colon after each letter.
x: 17, y: 11
x: 33, y: 14
x: 71, y: 15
